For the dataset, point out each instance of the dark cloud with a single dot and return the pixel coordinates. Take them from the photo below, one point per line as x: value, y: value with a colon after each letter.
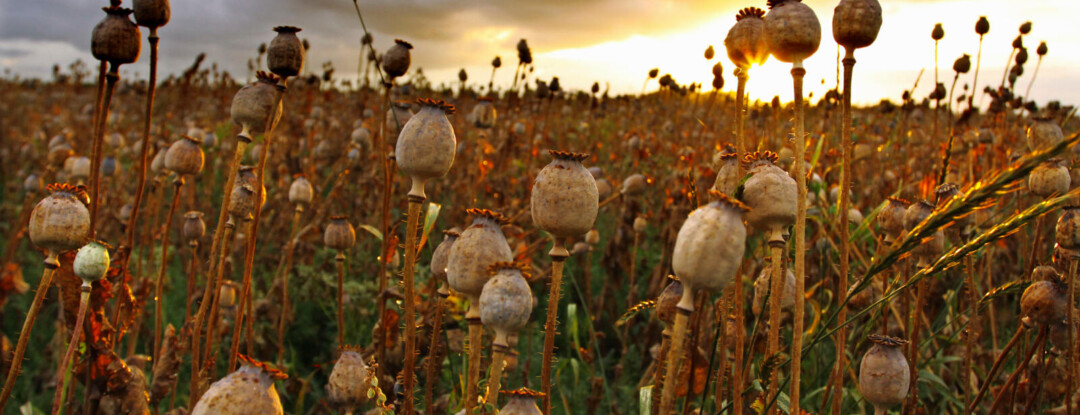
x: 443, y: 31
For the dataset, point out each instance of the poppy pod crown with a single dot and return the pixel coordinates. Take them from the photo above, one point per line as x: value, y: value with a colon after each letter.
x: 488, y: 214
x: 273, y: 373
x: 749, y: 12
x: 887, y: 341
x: 759, y: 157
x: 523, y: 269
x: 436, y: 103
x: 729, y: 201
x: 523, y: 393
x: 569, y: 156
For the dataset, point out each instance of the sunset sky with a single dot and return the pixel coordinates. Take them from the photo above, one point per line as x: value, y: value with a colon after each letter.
x: 614, y: 42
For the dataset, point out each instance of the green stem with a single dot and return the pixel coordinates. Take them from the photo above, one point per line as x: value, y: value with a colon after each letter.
x: 76, y: 332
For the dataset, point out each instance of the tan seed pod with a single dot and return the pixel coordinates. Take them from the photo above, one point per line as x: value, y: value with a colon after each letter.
x: 194, y: 227
x: 1067, y: 232
x: 770, y: 192
x: 521, y: 402
x: 349, y: 382
x: 440, y: 259
x: 285, y: 56
x: 1043, y: 132
x: 185, y: 157
x: 856, y: 23
x: 60, y: 222
x: 761, y: 287
x: 745, y: 41
x: 1049, y: 179
x: 891, y: 216
x: 426, y: 146
x: 709, y: 247
x: 91, y: 262
x: 1045, y: 302
x: 152, y: 13
x: 565, y: 200
x: 339, y: 234
x: 506, y: 301
x: 884, y: 375
x: 247, y: 391
x: 397, y: 59
x: 792, y: 30
x: 300, y: 191
x: 480, y: 245
x: 253, y: 104
x: 116, y: 39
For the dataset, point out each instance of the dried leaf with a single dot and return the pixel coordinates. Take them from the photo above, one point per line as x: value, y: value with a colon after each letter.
x: 11, y: 282
x: 167, y: 367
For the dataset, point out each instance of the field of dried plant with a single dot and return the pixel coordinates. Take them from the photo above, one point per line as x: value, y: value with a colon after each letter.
x: 301, y: 243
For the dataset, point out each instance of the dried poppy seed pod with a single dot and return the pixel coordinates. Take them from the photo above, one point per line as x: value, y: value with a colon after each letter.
x: 667, y: 301
x: 564, y: 196
x: 91, y: 262
x: 1043, y: 132
x: 194, y: 228
x: 771, y: 193
x: 1045, y: 302
x: 521, y: 402
x: 79, y: 167
x: 243, y: 202
x: 884, y: 375
x: 248, y: 390
x: 982, y: 26
x: 592, y: 237
x: 252, y: 105
x: 151, y: 14
x: 300, y: 192
x: 709, y: 247
x: 962, y: 64
x: 185, y: 157
x: 727, y: 175
x: 480, y: 245
x: 285, y: 56
x: 32, y: 183
x: 1067, y: 232
x: 1042, y: 49
x: 640, y: 224
x: 916, y: 214
x: 426, y: 146
x: 937, y: 34
x: 339, y: 234
x: 440, y: 259
x: 496, y: 63
x: 116, y: 39
x: 1049, y: 178
x: 60, y: 222
x: 792, y: 30
x: 484, y: 113
x: 856, y: 23
x: 761, y: 287
x: 349, y: 382
x: 397, y: 59
x: 634, y: 185
x: 505, y: 301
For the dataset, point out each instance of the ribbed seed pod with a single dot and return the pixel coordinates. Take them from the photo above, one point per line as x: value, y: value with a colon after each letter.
x: 709, y: 247
x: 565, y: 200
x: 116, y: 39
x: 634, y: 185
x: 151, y: 13
x: 745, y: 41
x: 1067, y: 232
x: 426, y: 146
x: 185, y: 157
x: 243, y: 202
x: 506, y: 301
x: 916, y: 214
x: 891, y: 216
x: 252, y: 105
x: 1046, y: 301
x: 91, y: 262
x: 300, y: 191
x: 480, y: 245
x: 761, y: 287
x: 884, y: 375
x: 339, y: 234
x: 1043, y: 132
x: 792, y: 30
x: 247, y: 391
x: 440, y: 259
x: 60, y: 222
x: 285, y: 56
x: 856, y: 23
x: 522, y: 402
x: 727, y: 174
x: 349, y: 382
x: 194, y: 228
x: 484, y: 114
x: 770, y: 192
x: 1049, y: 179
x: 397, y: 59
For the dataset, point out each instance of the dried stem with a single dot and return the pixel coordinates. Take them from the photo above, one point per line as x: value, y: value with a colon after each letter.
x: 1019, y: 369
x: 740, y: 313
x: 209, y: 299
x: 177, y: 185
x: 151, y: 89
x: 776, y: 287
x: 558, y: 255
x: 76, y: 332
x: 797, y: 74
x: 340, y: 259
x: 498, y: 363
x: 845, y: 239
x: 95, y: 162
x: 434, y: 363
x: 975, y: 82
x: 994, y: 369
x: 476, y: 334
x: 1027, y: 93
x: 674, y: 357
x: 285, y: 271
x: 28, y: 324
x: 411, y: 225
